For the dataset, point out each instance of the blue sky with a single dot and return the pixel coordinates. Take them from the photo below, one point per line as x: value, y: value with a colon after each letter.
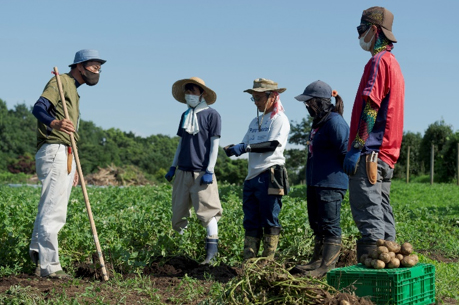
x: 149, y: 45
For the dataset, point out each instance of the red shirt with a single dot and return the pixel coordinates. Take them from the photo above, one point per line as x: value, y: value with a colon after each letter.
x: 382, y: 81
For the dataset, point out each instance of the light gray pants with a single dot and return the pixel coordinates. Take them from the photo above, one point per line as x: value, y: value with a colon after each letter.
x: 51, y: 165
x: 370, y: 203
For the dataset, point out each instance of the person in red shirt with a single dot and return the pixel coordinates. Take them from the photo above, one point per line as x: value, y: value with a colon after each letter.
x: 376, y: 131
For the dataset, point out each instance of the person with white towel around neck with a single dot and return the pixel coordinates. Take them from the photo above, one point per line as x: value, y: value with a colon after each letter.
x: 195, y: 184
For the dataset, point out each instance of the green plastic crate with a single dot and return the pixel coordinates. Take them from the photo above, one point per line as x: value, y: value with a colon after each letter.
x: 401, y: 286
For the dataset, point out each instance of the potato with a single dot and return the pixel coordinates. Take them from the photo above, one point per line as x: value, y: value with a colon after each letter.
x: 394, y: 263
x: 382, y: 249
x: 368, y: 262
x: 415, y: 257
x: 392, y: 254
x: 385, y: 257
x: 380, y: 242
x: 399, y: 256
x: 392, y: 246
x: 373, y: 254
x: 378, y: 264
x: 406, y: 249
x: 363, y: 258
x: 409, y: 261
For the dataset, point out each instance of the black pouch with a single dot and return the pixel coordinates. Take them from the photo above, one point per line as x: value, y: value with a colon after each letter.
x: 278, y: 182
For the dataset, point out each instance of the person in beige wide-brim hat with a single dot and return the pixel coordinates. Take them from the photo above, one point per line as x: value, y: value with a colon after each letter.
x: 195, y: 183
x: 266, y: 181
x: 178, y: 91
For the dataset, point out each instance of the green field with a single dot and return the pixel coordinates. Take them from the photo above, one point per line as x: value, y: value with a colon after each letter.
x: 134, y: 229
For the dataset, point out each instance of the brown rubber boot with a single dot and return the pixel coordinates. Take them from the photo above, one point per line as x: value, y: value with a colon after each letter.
x: 330, y: 255
x: 251, y: 247
x: 270, y: 242
x: 316, y: 259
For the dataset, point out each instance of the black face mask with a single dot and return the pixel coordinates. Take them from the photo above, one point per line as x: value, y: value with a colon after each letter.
x: 90, y: 78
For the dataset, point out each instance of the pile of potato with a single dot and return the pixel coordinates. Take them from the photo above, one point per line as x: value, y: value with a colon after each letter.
x: 389, y: 254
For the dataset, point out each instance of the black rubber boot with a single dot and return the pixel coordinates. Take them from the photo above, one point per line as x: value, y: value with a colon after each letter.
x: 330, y: 255
x: 211, y: 250
x: 364, y: 248
x: 36, y: 260
x: 316, y: 259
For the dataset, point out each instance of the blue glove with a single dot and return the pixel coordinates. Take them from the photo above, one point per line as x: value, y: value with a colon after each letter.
x: 236, y: 150
x: 350, y: 161
x: 170, y: 174
x: 207, y: 178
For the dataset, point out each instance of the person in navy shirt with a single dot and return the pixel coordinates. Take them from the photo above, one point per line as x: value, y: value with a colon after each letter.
x: 325, y: 178
x: 195, y: 184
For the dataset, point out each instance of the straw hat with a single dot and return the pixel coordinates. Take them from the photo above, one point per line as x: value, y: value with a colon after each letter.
x: 263, y: 84
x: 178, y: 90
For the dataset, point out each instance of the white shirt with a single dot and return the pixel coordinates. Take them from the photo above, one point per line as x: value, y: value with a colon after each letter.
x: 275, y: 129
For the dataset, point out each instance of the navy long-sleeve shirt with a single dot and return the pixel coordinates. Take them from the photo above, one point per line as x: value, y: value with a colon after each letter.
x: 326, y: 154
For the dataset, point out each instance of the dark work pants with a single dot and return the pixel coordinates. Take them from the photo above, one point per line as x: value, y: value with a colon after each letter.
x: 260, y: 209
x: 324, y: 210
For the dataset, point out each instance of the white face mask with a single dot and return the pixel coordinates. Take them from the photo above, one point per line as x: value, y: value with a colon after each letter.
x: 192, y: 100
x: 366, y: 45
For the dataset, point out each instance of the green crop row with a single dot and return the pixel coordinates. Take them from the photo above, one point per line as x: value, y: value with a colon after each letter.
x: 133, y: 225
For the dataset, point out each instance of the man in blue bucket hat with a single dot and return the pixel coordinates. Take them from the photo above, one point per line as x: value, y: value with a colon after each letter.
x: 55, y: 164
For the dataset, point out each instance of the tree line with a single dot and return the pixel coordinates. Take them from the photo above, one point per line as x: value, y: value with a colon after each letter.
x: 153, y: 154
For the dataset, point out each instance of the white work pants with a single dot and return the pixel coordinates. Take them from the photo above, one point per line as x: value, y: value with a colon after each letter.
x: 51, y: 166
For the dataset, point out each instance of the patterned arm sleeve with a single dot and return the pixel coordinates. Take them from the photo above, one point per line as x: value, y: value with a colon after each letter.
x: 367, y: 122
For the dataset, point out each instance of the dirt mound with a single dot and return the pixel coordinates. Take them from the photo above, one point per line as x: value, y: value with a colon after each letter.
x: 179, y: 266
x: 117, y: 176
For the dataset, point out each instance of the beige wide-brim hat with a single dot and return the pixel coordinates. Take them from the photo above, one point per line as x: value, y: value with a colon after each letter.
x: 263, y: 85
x: 178, y: 90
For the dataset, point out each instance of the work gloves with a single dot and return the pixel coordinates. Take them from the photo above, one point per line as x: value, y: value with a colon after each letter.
x: 235, y: 150
x: 170, y: 174
x: 207, y: 178
x: 351, y: 160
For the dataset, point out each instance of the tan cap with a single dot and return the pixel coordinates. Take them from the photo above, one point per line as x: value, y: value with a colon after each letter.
x: 178, y: 90
x: 263, y: 84
x: 380, y: 16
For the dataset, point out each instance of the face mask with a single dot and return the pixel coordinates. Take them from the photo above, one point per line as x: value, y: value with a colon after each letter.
x: 192, y: 100
x: 311, y: 111
x: 90, y: 78
x: 366, y: 45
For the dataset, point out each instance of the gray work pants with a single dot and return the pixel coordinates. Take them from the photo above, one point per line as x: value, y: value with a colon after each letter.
x: 370, y: 203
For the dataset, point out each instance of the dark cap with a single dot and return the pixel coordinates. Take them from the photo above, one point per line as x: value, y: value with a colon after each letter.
x: 380, y: 16
x: 315, y: 89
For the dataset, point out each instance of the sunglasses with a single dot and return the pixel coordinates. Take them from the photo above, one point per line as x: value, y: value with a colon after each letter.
x: 362, y: 28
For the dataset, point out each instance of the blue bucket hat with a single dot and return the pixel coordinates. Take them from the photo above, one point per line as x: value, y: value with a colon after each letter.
x: 315, y: 89
x: 86, y: 55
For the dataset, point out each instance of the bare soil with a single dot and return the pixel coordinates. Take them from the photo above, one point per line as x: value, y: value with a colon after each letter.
x: 164, y: 275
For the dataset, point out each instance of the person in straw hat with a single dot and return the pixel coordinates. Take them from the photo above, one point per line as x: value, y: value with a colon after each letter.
x: 195, y: 184
x: 376, y: 131
x: 54, y: 161
x: 267, y: 180
x: 326, y: 180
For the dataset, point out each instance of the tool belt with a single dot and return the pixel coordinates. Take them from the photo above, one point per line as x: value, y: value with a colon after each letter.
x: 372, y: 167
x: 278, y: 181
